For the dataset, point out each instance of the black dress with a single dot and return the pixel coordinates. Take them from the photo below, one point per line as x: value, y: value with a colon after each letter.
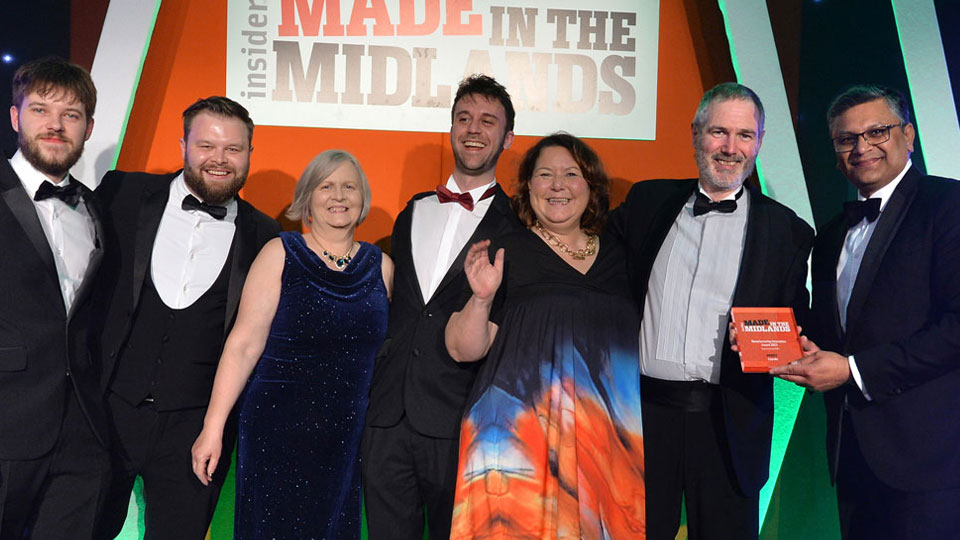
x: 302, y: 413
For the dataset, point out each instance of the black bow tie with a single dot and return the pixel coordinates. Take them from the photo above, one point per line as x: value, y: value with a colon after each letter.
x: 69, y: 194
x: 857, y: 210
x: 192, y: 203
x: 703, y: 204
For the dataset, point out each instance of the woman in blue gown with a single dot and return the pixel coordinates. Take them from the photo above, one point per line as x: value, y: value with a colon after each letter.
x: 312, y: 316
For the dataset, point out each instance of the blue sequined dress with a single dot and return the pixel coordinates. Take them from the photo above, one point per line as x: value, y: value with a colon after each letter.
x: 301, y: 415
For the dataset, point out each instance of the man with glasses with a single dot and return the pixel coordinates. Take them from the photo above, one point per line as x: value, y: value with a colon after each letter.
x: 886, y: 299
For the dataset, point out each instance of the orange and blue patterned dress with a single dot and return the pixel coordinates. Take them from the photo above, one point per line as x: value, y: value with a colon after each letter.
x: 551, y: 444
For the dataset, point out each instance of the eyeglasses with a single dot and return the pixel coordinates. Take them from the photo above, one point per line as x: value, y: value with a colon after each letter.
x: 874, y: 136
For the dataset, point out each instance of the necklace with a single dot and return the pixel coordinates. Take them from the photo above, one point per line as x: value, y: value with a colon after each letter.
x: 579, y: 254
x: 340, y: 261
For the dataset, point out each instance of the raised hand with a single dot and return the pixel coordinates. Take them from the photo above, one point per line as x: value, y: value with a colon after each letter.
x: 484, y: 278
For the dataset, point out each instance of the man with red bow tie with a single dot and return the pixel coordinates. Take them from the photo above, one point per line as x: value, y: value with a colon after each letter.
x: 418, y: 391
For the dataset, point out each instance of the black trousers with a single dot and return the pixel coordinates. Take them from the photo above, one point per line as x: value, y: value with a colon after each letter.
x: 403, y: 473
x: 60, y: 494
x: 872, y: 510
x: 687, y: 458
x: 156, y: 446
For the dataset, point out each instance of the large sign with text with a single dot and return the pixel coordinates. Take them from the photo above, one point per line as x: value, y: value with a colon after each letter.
x: 589, y: 68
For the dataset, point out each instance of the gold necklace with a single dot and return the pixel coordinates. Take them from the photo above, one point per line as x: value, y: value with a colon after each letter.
x: 579, y: 254
x: 341, y: 261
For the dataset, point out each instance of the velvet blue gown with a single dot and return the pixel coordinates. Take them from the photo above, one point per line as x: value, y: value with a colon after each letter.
x: 301, y: 416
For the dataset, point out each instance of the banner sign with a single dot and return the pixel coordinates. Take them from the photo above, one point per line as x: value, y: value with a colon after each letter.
x: 589, y: 68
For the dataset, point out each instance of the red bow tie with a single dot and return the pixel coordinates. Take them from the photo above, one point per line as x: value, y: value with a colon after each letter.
x: 444, y: 195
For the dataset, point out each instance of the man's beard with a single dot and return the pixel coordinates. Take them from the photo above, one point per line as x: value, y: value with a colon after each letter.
x: 490, y: 163
x: 718, y: 181
x: 54, y: 167
x: 212, y: 194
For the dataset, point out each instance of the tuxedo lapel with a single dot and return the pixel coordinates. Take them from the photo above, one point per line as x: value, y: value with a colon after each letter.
x: 487, y: 228
x: 887, y: 225
x: 151, y: 210
x: 653, y: 231
x: 242, y: 252
x: 755, y: 256
x: 25, y: 212
x: 401, y: 248
x: 665, y: 216
x: 824, y: 276
x: 96, y: 255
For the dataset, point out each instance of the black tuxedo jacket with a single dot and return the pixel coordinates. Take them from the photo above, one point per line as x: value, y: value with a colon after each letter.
x: 773, y: 272
x: 133, y: 205
x: 903, y: 328
x: 414, y: 373
x: 43, y: 349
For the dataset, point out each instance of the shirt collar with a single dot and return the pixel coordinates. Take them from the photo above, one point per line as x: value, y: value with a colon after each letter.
x: 884, y: 193
x: 29, y: 176
x: 476, y: 192
x: 179, y: 191
x: 730, y: 197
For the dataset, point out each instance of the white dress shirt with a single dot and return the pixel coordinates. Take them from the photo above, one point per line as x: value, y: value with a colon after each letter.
x: 689, y: 294
x: 190, y: 248
x: 848, y: 264
x: 69, y: 231
x: 439, y: 231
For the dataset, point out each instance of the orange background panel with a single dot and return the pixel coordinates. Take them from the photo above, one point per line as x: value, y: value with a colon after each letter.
x: 187, y: 60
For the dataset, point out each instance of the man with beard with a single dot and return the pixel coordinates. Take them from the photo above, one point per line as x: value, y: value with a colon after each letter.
x: 418, y: 392
x: 54, y: 466
x: 695, y: 248
x: 179, y: 247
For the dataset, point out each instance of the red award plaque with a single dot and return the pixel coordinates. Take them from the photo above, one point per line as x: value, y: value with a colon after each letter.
x: 767, y: 337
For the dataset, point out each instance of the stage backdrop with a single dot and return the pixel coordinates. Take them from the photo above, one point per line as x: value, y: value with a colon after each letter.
x: 378, y: 65
x: 188, y: 58
x: 378, y: 80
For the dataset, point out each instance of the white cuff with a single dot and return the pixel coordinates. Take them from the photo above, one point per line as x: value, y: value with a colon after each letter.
x: 855, y: 373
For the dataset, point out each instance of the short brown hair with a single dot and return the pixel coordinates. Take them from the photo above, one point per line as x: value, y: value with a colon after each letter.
x: 53, y: 75
x: 488, y: 87
x: 222, y: 107
x: 595, y: 215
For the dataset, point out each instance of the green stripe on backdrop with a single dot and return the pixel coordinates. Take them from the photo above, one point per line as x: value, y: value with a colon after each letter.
x: 787, y: 396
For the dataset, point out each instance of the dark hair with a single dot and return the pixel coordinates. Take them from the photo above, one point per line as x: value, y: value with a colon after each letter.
x: 483, y: 85
x: 56, y: 76
x: 218, y: 106
x: 865, y: 93
x: 595, y: 214
x: 727, y: 91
